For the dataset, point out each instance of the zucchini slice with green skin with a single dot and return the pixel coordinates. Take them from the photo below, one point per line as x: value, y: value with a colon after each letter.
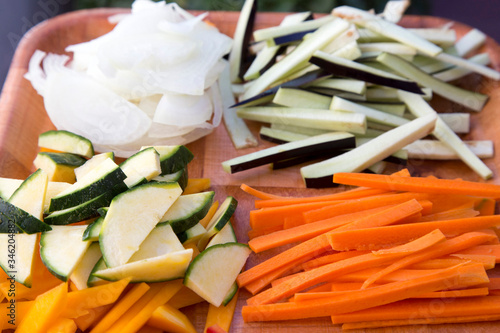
x: 8, y: 186
x: 82, y: 271
x: 226, y: 235
x: 218, y: 221
x: 145, y: 162
x: 173, y: 158
x: 321, y: 174
x: 169, y: 266
x: 94, y: 280
x: 62, y: 248
x: 67, y: 142
x: 132, y: 215
x: 192, y: 234
x: 90, y: 164
x: 305, y: 147
x: 188, y: 210
x: 25, y: 207
x: 161, y: 240
x: 98, y: 181
x: 60, y: 167
x: 17, y: 257
x: 181, y: 177
x: 92, y: 231
x: 81, y: 212
x: 213, y: 272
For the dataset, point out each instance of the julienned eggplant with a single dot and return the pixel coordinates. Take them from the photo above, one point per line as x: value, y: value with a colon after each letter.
x: 342, y: 67
x: 310, y: 146
x: 298, y: 82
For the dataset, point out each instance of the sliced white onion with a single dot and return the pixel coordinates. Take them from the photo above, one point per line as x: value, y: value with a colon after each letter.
x: 183, y: 110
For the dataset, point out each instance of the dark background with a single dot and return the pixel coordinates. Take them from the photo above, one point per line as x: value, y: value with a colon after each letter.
x: 18, y: 16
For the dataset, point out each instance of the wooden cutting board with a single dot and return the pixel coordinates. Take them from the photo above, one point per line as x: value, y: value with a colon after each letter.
x: 23, y: 118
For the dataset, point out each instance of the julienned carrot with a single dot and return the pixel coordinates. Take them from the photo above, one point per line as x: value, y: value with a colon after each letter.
x: 325, y: 273
x: 373, y: 238
x: 494, y: 283
x: 399, y: 275
x: 274, y: 216
x: 448, y: 261
x: 252, y: 233
x: 418, y: 184
x: 259, y: 194
x: 432, y: 238
x: 349, y: 206
x: 449, y: 246
x: 421, y: 321
x: 308, y: 249
x: 351, y: 194
x: 423, y: 308
x: 377, y: 216
x: 488, y: 261
x: 485, y: 206
x: 384, y: 294
x: 452, y: 214
x: 493, y: 250
x: 257, y: 285
x: 328, y: 259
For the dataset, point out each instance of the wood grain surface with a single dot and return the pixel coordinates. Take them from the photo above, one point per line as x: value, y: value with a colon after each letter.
x: 23, y: 118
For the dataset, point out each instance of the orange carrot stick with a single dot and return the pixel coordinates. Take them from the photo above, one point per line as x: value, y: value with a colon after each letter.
x: 274, y: 216
x: 372, y: 238
x: 350, y: 206
x: 493, y: 250
x: 330, y: 258
x: 378, y: 216
x: 351, y: 194
x: 447, y: 278
x: 471, y: 292
x: 423, y: 308
x: 259, y: 194
x: 449, y: 246
x: 326, y: 273
x: 257, y: 285
x: 306, y: 250
x: 421, y: 321
x: 460, y: 213
x: 418, y: 184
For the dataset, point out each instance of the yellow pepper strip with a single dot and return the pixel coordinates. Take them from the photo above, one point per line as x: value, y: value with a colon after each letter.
x: 13, y: 313
x: 125, y: 303
x: 185, y: 297
x: 63, y: 325
x: 45, y: 311
x: 80, y: 301
x: 92, y: 317
x: 169, y: 319
x: 196, y: 185
x: 211, y: 212
x: 222, y: 315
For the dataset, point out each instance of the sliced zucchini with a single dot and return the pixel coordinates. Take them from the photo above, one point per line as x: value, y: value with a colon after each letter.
x: 98, y: 181
x: 24, y: 209
x: 181, y: 177
x: 17, y: 256
x: 348, y: 85
x: 83, y: 269
x: 192, y: 234
x: 169, y: 266
x: 305, y: 147
x: 188, y: 210
x: 62, y: 248
x: 173, y: 158
x: 218, y: 221
x: 280, y: 136
x: 213, y: 272
x: 81, y: 212
x: 81, y: 171
x: 299, y: 98
x: 284, y: 30
x: 60, y: 167
x: 132, y: 215
x: 321, y: 174
x: 437, y: 150
x: 145, y: 163
x: 53, y: 189
x: 92, y: 231
x: 67, y: 142
x: 161, y: 240
x: 8, y: 186
x: 226, y: 235
x: 94, y: 280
